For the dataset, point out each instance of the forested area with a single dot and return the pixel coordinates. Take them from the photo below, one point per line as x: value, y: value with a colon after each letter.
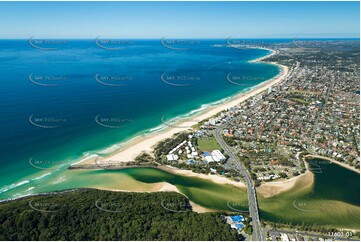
x: 90, y: 214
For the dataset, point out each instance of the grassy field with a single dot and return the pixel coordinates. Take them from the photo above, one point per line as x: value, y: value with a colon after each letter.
x: 208, y: 144
x: 299, y: 100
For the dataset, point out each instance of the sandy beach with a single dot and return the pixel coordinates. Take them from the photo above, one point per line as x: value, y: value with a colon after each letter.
x: 164, y: 187
x: 271, y: 189
x: 214, y: 178
x: 131, y: 149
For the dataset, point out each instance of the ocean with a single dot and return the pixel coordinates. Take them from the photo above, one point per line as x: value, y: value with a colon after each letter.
x: 65, y: 100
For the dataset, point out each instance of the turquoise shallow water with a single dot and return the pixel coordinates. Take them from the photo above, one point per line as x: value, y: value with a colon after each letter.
x: 333, y: 200
x: 60, y: 106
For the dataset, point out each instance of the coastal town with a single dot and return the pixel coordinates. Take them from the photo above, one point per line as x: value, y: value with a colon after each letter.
x: 180, y: 120
x: 299, y: 117
x: 311, y: 111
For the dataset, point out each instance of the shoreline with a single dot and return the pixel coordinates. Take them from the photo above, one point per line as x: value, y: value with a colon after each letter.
x: 215, y: 178
x: 133, y: 147
x: 333, y: 161
x: 163, y: 187
x: 274, y: 188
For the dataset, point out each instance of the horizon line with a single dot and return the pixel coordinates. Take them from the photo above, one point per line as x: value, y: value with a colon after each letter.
x: 190, y: 38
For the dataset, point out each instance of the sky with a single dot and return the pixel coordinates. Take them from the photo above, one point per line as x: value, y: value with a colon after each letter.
x: 179, y: 19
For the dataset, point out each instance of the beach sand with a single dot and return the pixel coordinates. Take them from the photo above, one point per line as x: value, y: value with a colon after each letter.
x: 131, y: 149
x: 212, y: 177
x: 163, y: 187
x: 271, y: 189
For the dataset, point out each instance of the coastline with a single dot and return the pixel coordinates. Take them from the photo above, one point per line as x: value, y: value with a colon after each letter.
x: 333, y: 161
x: 163, y: 187
x: 140, y: 144
x: 211, y: 177
x: 146, y: 144
x: 271, y: 189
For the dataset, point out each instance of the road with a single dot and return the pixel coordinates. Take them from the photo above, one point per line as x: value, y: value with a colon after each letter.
x: 258, y: 234
x: 315, y: 126
x: 252, y: 196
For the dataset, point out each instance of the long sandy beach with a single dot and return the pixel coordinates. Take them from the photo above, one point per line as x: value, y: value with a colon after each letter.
x: 131, y: 149
x: 134, y: 147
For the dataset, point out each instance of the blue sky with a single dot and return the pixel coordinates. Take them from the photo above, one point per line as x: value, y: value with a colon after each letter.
x: 179, y: 19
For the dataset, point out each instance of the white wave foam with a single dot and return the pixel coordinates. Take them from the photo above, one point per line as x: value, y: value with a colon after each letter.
x: 29, y: 189
x: 217, y: 45
x: 42, y: 176
x: 14, y: 185
x: 87, y: 157
x: 60, y: 180
x: 156, y: 129
x: 109, y: 150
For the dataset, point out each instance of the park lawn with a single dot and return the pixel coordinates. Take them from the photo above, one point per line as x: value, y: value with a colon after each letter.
x: 208, y: 144
x: 299, y: 100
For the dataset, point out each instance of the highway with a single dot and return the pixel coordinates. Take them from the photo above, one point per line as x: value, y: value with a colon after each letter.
x: 258, y: 234
x: 252, y: 196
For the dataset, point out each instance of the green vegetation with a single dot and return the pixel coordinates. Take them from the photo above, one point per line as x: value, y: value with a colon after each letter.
x: 299, y: 100
x: 208, y: 144
x: 104, y: 215
x: 231, y: 141
x: 163, y: 147
x: 144, y: 158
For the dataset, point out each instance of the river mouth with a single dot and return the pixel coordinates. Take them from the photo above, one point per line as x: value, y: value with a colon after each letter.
x: 332, y: 200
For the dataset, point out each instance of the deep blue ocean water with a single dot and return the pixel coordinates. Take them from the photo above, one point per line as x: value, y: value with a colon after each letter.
x: 57, y: 106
